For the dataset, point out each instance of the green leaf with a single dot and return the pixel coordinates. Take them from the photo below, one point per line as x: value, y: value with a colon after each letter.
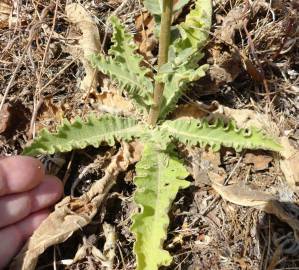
x: 185, y: 53
x: 155, y: 6
x: 199, y: 132
x: 195, y: 29
x: 176, y: 82
x: 124, y: 66
x: 79, y: 134
x: 159, y: 177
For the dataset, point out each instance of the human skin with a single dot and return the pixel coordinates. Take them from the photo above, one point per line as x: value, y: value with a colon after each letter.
x: 26, y: 195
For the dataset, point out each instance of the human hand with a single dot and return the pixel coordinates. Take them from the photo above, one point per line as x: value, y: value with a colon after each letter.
x: 25, y: 195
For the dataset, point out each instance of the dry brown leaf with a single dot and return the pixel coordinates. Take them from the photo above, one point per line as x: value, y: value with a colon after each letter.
x: 231, y: 23
x: 114, y: 103
x: 243, y: 195
x: 72, y: 214
x: 50, y: 115
x: 252, y: 70
x: 260, y: 162
x: 14, y: 117
x: 105, y: 258
x: 289, y: 164
x: 246, y: 118
x: 145, y: 37
x: 4, y: 119
x: 5, y: 12
x: 226, y: 62
x: 89, y: 43
x: 193, y: 110
x: 226, y: 66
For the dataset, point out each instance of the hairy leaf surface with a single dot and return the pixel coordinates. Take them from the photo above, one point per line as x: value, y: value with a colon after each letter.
x: 159, y: 177
x: 124, y: 66
x: 200, y: 132
x: 79, y: 134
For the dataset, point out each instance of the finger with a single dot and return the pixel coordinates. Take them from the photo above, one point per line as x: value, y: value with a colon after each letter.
x: 16, y: 207
x: 28, y: 225
x: 13, y: 237
x: 47, y: 193
x: 19, y: 174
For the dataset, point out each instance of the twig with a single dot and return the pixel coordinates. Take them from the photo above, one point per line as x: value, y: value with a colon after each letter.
x: 233, y: 170
x: 57, y: 75
x: 36, y: 108
x: 68, y: 169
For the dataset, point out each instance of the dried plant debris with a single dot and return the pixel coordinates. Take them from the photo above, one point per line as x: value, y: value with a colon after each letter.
x: 5, y: 12
x: 105, y: 258
x: 289, y: 163
x: 260, y: 162
x: 89, y: 43
x: 14, y: 118
x: 4, y: 120
x: 145, y: 37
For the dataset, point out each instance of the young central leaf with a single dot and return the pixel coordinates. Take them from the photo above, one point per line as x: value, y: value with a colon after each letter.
x: 159, y: 177
x: 182, y: 67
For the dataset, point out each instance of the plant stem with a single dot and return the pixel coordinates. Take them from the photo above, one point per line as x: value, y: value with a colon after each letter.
x: 164, y: 41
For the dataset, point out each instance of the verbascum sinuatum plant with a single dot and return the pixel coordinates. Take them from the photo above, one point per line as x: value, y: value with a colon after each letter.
x: 161, y: 172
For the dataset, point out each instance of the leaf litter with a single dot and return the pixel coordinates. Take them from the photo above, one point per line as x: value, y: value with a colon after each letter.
x: 200, y: 213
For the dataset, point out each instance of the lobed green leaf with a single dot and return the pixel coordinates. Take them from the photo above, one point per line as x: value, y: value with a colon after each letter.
x: 199, y: 132
x: 123, y: 65
x: 159, y: 177
x: 79, y: 134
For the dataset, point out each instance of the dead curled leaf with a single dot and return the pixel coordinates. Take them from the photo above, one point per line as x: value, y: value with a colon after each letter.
x: 232, y: 22
x: 71, y: 214
x: 14, y: 117
x: 243, y: 195
x: 246, y: 118
x: 289, y: 164
x: 228, y: 62
x: 5, y: 11
x: 260, y: 162
x: 194, y: 110
x: 4, y: 119
x: 145, y: 37
x: 89, y: 43
x: 105, y: 258
x: 114, y: 103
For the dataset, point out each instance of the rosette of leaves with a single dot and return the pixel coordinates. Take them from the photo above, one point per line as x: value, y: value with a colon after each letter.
x: 160, y: 173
